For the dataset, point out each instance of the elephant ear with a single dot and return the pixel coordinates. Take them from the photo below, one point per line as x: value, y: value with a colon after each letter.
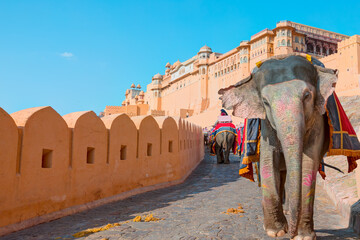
x: 243, y: 98
x: 327, y: 79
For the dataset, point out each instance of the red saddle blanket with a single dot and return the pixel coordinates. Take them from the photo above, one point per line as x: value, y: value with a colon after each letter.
x: 223, y: 127
x: 343, y: 140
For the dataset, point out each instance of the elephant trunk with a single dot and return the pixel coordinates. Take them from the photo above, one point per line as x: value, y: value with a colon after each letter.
x: 290, y: 127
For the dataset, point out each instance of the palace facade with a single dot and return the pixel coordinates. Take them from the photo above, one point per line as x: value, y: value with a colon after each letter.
x: 191, y: 87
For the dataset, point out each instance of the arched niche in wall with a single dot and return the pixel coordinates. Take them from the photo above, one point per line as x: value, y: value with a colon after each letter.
x: 122, y: 147
x: 90, y: 178
x: 148, y: 151
x: 170, y: 162
x: 44, y: 162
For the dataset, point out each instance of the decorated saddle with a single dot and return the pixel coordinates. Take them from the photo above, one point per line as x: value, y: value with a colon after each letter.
x: 220, y: 128
x: 343, y: 141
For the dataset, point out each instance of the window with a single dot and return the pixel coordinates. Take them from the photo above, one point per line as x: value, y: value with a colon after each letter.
x: 123, y: 152
x: 170, y: 146
x: 288, y: 43
x: 283, y: 42
x: 296, y: 39
x: 90, y: 155
x: 215, y: 74
x: 46, y: 161
x: 278, y: 43
x: 149, y: 150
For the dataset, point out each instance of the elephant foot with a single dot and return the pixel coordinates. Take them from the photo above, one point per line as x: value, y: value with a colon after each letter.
x: 220, y: 162
x: 277, y: 233
x: 311, y: 236
x: 227, y: 162
x: 274, y: 234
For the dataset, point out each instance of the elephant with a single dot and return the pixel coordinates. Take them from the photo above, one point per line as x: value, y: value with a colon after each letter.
x: 288, y: 93
x: 224, y: 142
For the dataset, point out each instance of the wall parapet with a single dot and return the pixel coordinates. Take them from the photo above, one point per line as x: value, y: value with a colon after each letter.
x: 53, y: 165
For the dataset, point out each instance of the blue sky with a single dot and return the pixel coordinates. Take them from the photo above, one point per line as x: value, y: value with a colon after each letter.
x: 82, y: 55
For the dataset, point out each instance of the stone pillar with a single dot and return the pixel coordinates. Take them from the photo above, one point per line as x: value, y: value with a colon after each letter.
x: 321, y: 49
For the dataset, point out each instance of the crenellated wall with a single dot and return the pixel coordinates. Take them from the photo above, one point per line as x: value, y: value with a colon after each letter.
x: 53, y: 166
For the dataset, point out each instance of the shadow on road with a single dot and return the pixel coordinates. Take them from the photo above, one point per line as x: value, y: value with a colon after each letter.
x: 206, y: 176
x: 342, y: 234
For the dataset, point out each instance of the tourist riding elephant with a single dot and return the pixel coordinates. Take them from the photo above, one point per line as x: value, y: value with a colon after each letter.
x: 224, y: 142
x: 288, y: 94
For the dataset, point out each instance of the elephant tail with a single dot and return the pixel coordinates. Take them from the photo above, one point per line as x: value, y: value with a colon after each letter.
x: 225, y: 143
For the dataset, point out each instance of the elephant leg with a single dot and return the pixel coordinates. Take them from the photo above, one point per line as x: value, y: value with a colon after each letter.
x: 275, y: 223
x: 306, y: 223
x: 219, y: 154
x: 227, y: 153
x: 229, y: 145
x: 313, y: 153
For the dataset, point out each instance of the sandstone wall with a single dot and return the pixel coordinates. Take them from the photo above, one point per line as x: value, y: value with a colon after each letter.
x: 53, y: 165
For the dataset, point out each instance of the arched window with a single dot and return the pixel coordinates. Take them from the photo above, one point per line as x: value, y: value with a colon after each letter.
x: 245, y: 59
x: 283, y: 42
x: 278, y: 43
x: 215, y: 74
x: 288, y: 43
x: 297, y: 49
x: 283, y: 33
x: 203, y: 71
x: 270, y: 49
x: 296, y: 39
x: 241, y: 60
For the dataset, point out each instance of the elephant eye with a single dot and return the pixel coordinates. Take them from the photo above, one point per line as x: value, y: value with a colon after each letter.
x: 266, y: 103
x: 307, y: 95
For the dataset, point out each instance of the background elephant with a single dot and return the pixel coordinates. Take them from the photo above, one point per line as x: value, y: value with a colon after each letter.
x: 224, y: 142
x: 289, y: 95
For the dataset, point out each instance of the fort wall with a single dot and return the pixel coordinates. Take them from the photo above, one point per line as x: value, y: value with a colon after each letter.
x: 55, y: 165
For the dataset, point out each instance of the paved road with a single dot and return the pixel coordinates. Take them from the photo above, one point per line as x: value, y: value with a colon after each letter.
x: 192, y: 210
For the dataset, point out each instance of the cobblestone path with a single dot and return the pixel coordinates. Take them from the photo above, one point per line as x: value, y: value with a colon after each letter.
x: 192, y: 210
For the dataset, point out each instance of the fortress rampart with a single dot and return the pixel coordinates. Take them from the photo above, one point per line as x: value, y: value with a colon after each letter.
x: 53, y: 165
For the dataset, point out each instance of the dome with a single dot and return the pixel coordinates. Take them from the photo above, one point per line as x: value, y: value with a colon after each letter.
x: 168, y: 65
x: 141, y: 93
x: 123, y: 103
x: 132, y: 86
x: 138, y: 86
x: 205, y: 49
x: 157, y: 77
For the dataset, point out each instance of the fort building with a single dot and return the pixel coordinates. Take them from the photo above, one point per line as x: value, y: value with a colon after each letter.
x: 190, y: 88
